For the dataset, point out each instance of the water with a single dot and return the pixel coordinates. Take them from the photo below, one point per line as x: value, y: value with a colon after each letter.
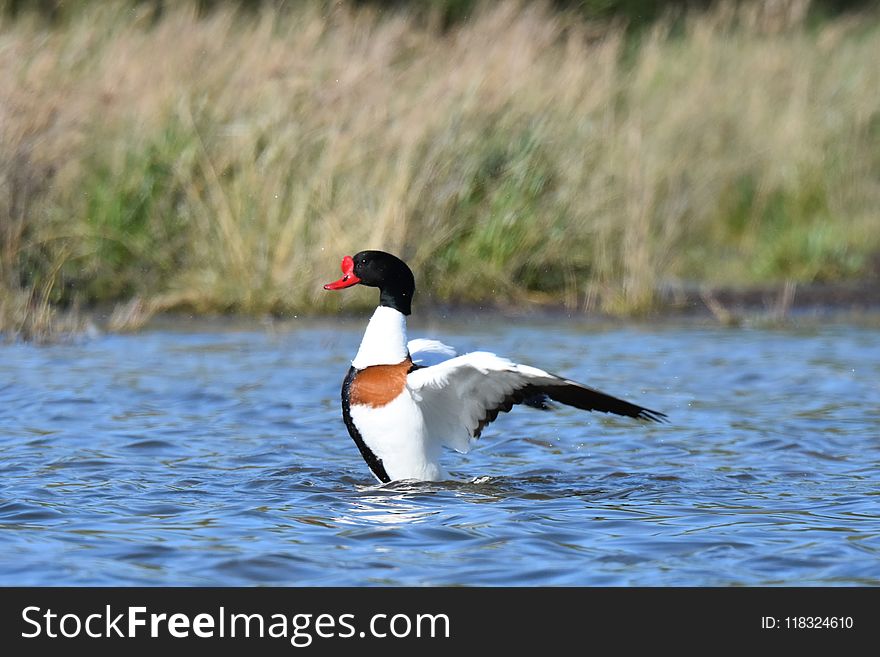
x: 218, y: 457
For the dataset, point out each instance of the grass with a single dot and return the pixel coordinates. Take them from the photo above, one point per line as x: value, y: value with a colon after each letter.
x: 226, y: 162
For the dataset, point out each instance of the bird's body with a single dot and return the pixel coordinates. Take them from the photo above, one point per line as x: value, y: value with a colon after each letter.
x: 404, y: 401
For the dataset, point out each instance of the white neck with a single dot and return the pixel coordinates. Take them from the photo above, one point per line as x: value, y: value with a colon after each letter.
x: 384, y: 341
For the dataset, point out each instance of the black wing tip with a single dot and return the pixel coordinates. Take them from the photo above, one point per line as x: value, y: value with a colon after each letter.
x: 580, y: 396
x: 652, y: 416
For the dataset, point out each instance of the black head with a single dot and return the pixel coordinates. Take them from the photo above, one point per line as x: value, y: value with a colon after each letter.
x: 379, y: 269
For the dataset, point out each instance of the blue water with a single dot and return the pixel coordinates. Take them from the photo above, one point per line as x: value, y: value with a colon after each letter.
x: 203, y: 456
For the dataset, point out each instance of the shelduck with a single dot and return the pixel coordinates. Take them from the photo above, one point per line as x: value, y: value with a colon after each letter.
x: 404, y: 401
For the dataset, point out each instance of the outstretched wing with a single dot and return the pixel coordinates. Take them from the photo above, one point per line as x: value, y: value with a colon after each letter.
x: 460, y: 396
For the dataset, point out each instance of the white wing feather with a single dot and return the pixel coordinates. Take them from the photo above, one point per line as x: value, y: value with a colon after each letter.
x: 429, y: 352
x: 456, y: 395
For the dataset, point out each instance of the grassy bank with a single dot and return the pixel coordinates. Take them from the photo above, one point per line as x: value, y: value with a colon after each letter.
x: 227, y: 162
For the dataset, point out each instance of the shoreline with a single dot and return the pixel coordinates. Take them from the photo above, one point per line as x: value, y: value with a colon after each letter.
x: 856, y: 302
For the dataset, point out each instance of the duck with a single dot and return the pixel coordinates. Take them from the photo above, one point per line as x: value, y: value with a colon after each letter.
x: 404, y: 401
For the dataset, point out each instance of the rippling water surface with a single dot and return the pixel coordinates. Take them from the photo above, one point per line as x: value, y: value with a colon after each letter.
x: 218, y: 457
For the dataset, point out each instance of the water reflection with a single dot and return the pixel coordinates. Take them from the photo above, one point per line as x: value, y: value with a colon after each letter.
x: 392, y: 508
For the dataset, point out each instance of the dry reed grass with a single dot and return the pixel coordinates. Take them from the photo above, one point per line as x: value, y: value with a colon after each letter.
x: 223, y: 163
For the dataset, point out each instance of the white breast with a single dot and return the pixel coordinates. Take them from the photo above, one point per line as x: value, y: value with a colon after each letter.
x: 384, y: 341
x: 396, y: 434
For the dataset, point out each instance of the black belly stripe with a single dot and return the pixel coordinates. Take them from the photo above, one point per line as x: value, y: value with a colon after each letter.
x: 372, y: 460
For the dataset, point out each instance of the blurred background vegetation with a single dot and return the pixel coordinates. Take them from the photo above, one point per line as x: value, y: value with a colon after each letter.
x: 449, y: 12
x: 220, y: 156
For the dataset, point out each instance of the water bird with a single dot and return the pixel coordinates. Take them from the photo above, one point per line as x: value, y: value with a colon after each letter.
x: 403, y: 401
